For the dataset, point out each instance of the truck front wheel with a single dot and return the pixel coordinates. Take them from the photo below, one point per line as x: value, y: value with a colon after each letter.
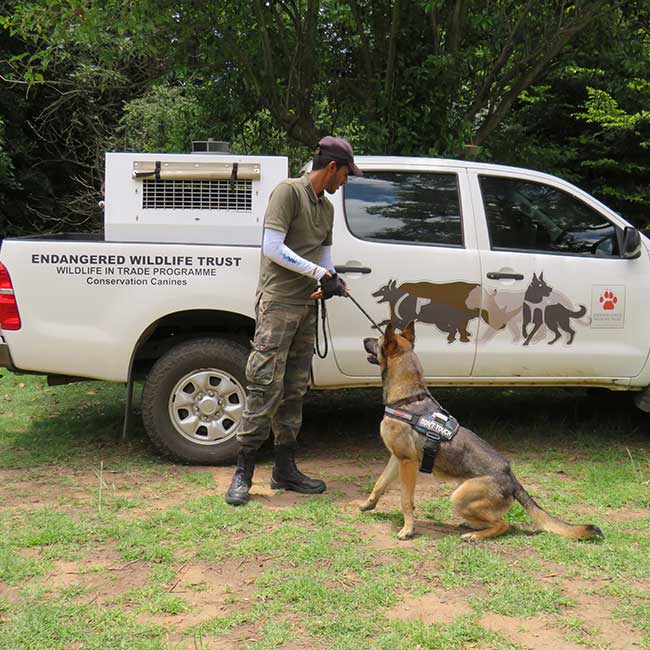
x: 193, y: 401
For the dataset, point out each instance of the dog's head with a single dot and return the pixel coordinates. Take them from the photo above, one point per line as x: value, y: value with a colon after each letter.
x: 389, y: 292
x: 390, y: 344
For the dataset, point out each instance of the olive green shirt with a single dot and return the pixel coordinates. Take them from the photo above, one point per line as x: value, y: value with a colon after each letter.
x: 306, y: 220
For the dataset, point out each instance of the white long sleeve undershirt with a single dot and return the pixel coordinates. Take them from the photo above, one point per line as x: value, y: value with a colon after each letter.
x: 275, y: 249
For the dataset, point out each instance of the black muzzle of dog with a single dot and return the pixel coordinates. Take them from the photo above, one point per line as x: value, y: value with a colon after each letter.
x: 370, y: 345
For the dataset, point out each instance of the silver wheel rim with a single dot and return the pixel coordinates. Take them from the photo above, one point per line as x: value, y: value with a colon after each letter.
x: 206, y: 406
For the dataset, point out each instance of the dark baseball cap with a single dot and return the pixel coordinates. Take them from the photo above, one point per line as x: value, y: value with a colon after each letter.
x: 340, y: 150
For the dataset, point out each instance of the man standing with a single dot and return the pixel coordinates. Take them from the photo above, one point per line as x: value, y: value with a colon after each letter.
x: 296, y: 256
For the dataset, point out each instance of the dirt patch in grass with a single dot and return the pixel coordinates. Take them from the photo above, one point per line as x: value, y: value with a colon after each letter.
x: 210, y: 591
x: 537, y: 633
x: 24, y: 489
x: 101, y: 576
x: 628, y: 515
x: 596, y: 612
x: 593, y: 610
x: 234, y: 640
x: 10, y: 594
x: 54, y: 485
x: 437, y: 607
x: 383, y: 536
x: 244, y: 635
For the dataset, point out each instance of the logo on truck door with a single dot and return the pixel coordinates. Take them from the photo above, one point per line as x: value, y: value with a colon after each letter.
x: 538, y: 314
x: 608, y: 306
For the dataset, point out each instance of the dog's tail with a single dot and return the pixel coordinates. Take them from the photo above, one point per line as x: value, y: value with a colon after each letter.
x: 578, y: 313
x: 543, y: 521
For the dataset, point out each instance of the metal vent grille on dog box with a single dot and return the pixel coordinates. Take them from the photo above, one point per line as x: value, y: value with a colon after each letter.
x: 189, y: 198
x: 197, y: 195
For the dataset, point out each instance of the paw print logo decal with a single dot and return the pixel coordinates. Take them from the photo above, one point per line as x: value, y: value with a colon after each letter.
x: 608, y: 306
x: 608, y: 300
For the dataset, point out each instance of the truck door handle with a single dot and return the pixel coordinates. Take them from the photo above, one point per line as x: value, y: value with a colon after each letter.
x: 353, y: 269
x: 492, y: 275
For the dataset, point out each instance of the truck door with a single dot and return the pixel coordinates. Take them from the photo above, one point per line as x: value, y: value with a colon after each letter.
x: 408, y: 253
x: 561, y: 300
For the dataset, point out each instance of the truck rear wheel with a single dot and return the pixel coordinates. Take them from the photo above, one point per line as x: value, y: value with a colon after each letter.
x: 193, y: 401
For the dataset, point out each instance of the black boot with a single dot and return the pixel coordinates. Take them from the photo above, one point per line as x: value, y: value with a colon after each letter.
x: 286, y: 476
x: 240, y: 485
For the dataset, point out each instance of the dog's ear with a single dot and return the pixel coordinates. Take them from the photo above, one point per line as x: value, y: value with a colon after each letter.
x: 389, y: 344
x: 409, y: 333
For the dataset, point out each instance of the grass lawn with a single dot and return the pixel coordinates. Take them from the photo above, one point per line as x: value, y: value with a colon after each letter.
x: 105, y: 545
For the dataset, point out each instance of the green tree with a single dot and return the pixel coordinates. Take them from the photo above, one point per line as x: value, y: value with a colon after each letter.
x: 82, y: 63
x: 589, y: 121
x: 7, y: 179
x: 417, y: 77
x: 164, y: 119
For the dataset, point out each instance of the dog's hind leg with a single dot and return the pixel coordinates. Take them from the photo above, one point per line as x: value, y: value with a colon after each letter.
x: 481, y: 504
x: 408, y: 473
x: 387, y: 477
x: 555, y: 331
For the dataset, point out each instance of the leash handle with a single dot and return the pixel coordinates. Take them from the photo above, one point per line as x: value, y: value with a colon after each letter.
x: 323, y: 314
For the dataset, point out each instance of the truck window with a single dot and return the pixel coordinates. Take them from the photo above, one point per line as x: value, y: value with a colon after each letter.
x: 404, y: 207
x: 524, y: 215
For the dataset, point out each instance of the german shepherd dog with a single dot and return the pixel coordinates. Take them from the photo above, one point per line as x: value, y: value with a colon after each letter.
x: 486, y: 485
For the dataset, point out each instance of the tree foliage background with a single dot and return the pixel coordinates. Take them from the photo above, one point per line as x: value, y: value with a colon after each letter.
x: 549, y: 84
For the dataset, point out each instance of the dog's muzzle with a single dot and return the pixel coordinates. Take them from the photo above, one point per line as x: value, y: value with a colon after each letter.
x: 370, y: 346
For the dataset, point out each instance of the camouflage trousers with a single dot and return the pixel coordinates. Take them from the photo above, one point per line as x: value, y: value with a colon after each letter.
x: 277, y: 372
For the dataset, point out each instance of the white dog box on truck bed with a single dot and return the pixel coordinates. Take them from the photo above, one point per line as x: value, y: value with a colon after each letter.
x: 202, y: 198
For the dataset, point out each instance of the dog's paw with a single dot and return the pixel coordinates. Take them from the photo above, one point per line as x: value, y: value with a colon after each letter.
x: 471, y: 537
x: 367, y: 505
x: 405, y: 533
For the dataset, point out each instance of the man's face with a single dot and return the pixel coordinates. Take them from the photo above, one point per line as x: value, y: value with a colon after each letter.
x: 336, y: 177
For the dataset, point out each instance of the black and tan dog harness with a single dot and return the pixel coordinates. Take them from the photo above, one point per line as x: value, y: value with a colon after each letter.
x: 436, y: 426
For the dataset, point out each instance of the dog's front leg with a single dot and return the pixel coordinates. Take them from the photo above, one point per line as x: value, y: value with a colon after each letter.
x: 408, y: 472
x: 387, y: 477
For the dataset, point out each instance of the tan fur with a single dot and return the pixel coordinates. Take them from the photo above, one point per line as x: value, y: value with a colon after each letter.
x: 486, y: 485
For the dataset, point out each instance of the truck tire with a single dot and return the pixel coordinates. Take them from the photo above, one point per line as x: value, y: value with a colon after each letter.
x: 193, y: 401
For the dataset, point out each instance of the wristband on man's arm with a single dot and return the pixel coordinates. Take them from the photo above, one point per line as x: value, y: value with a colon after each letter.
x: 325, y: 258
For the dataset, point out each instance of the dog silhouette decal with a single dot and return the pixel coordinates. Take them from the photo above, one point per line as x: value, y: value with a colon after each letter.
x: 540, y: 308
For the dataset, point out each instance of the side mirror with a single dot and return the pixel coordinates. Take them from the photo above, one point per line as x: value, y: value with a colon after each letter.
x: 631, y: 248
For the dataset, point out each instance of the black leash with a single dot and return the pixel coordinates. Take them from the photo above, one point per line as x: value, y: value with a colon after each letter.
x: 323, y: 317
x: 366, y: 314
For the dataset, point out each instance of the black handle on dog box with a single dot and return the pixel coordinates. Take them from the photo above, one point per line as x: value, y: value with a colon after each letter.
x: 352, y: 269
x: 504, y: 276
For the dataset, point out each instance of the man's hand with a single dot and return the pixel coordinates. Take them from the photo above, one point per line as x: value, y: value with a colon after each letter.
x: 331, y: 284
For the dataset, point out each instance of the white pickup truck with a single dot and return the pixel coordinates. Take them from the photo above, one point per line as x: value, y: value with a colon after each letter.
x: 515, y: 278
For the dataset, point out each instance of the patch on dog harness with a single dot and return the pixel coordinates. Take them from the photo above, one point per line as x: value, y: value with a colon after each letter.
x: 435, y: 427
